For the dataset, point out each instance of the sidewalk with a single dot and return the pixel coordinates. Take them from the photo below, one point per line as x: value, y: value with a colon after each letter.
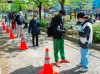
x: 31, y: 61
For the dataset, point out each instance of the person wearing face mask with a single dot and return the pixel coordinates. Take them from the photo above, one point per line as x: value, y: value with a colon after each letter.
x: 34, y: 29
x: 20, y: 22
x: 85, y: 41
x: 58, y: 37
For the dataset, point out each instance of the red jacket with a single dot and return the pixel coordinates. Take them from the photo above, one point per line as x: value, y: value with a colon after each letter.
x: 13, y: 26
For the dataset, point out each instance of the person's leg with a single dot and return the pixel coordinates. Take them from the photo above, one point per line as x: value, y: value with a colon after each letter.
x: 21, y: 28
x: 24, y: 26
x: 62, y: 49
x: 56, y: 50
x: 33, y: 37
x: 18, y: 30
x: 37, y: 40
x: 85, y: 57
x: 62, y: 53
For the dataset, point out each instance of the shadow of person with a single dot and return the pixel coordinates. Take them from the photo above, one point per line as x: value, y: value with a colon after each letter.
x: 27, y: 70
x: 74, y: 70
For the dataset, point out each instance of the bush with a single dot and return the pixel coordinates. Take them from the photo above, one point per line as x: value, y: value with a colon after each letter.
x: 44, y: 24
x: 96, y: 34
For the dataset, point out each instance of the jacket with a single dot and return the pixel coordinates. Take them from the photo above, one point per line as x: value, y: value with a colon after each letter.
x: 58, y: 27
x: 86, y: 35
x: 34, y: 27
x: 19, y: 20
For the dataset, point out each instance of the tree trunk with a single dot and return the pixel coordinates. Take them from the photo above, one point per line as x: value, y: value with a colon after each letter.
x: 20, y: 8
x: 62, y: 4
x: 40, y: 7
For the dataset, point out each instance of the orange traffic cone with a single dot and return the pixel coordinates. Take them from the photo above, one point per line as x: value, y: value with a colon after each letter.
x: 7, y: 30
x: 3, y: 27
x: 23, y: 45
x: 12, y: 36
x: 48, y: 69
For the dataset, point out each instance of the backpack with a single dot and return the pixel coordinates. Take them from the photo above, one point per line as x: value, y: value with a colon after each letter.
x: 50, y: 30
x: 20, y: 19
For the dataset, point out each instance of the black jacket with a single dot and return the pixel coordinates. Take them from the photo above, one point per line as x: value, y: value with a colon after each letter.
x: 58, y: 29
x: 19, y: 20
x: 34, y: 27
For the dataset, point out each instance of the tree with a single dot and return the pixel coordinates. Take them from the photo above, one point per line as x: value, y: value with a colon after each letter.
x: 41, y: 3
x: 81, y: 4
x: 62, y: 3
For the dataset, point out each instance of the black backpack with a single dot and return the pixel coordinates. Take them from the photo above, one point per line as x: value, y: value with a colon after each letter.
x: 50, y: 28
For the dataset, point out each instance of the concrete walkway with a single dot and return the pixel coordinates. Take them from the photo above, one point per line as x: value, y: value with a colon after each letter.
x: 31, y: 61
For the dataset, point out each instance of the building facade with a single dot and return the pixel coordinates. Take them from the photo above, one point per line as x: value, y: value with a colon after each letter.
x: 96, y: 4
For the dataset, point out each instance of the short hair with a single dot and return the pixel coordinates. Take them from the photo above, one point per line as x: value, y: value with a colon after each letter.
x: 63, y: 12
x: 82, y: 15
x: 34, y: 15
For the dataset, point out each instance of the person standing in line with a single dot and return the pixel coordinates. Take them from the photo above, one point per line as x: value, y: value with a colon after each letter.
x: 13, y: 25
x: 26, y: 21
x: 20, y: 22
x: 58, y: 37
x: 34, y: 29
x: 10, y: 18
x: 85, y: 41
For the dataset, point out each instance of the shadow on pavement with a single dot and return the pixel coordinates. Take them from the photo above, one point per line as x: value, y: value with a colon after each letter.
x: 72, y: 71
x: 27, y: 70
x: 12, y: 49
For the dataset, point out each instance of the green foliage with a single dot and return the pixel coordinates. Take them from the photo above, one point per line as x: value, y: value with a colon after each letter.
x: 44, y: 24
x: 82, y: 4
x: 4, y: 7
x: 96, y: 34
x: 69, y: 23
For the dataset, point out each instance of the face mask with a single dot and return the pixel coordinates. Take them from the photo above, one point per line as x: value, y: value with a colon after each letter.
x: 35, y: 18
x: 62, y: 17
x: 80, y: 20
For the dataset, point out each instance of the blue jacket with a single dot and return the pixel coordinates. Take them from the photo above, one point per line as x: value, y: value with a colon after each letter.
x: 34, y: 27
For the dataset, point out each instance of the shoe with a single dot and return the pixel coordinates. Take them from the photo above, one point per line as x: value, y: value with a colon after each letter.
x: 80, y: 65
x: 83, y: 69
x: 58, y: 64
x: 37, y: 45
x: 65, y: 61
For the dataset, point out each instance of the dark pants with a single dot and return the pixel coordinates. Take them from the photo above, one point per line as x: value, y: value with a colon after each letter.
x: 26, y: 25
x: 33, y: 40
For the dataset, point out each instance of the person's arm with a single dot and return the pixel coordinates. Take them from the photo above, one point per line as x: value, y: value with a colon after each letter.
x: 29, y: 28
x: 60, y: 30
x: 85, y: 32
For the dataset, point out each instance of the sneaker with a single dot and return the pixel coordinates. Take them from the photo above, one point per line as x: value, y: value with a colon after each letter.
x: 80, y: 65
x: 83, y: 69
x: 58, y: 64
x: 65, y: 61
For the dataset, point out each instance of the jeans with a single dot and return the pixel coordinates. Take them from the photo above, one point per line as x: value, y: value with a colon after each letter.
x: 85, y: 57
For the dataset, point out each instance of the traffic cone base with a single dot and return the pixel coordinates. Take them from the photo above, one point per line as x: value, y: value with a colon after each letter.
x: 7, y: 31
x: 3, y: 27
x: 23, y: 46
x: 48, y: 68
x: 12, y: 36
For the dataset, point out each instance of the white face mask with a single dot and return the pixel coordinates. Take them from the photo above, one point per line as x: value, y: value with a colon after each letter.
x: 35, y: 18
x: 80, y: 20
x: 62, y: 17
